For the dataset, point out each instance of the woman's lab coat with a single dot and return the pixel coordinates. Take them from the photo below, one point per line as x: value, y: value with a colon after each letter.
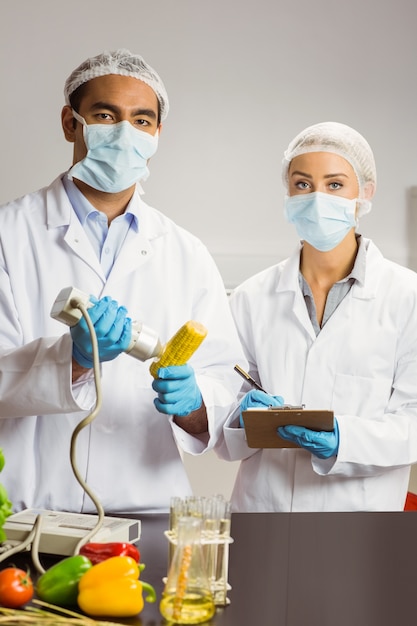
x: 130, y: 454
x: 362, y: 365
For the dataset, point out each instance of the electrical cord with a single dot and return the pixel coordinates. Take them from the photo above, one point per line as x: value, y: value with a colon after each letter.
x: 25, y: 543
x: 37, y: 530
x: 85, y: 422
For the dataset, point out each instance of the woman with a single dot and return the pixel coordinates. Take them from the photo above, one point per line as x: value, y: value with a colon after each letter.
x: 332, y: 327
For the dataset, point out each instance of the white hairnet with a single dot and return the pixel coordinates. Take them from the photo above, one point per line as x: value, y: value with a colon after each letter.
x: 123, y: 63
x: 339, y: 139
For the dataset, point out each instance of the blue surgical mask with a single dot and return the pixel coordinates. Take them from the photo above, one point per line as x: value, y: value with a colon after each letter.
x: 321, y: 219
x: 117, y: 155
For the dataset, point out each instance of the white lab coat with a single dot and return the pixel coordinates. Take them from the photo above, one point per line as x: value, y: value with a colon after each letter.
x: 130, y: 454
x: 363, y: 365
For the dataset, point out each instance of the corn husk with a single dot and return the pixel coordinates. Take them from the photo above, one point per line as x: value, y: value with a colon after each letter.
x: 48, y: 615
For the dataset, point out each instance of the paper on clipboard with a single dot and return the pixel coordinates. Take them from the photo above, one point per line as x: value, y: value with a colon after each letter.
x: 261, y: 424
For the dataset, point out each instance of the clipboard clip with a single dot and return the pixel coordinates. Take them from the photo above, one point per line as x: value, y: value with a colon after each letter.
x: 286, y: 407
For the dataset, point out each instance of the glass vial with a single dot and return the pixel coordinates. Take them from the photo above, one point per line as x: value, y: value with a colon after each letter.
x: 187, y: 597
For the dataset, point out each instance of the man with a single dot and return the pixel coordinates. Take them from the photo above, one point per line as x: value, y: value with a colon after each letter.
x: 90, y: 229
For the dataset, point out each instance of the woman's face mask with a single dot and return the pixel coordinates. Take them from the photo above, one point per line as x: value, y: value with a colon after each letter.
x: 117, y: 155
x: 321, y: 219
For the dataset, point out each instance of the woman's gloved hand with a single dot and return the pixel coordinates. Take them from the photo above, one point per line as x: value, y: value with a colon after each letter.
x: 113, y: 330
x: 177, y: 389
x: 256, y: 398
x: 321, y: 443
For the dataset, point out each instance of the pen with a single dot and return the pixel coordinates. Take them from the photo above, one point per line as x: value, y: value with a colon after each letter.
x: 253, y: 382
x: 248, y: 378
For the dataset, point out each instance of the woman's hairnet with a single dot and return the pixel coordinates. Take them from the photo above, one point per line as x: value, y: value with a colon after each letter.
x: 344, y: 141
x: 123, y: 63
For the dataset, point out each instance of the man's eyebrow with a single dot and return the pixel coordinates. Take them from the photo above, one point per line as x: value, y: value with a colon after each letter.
x: 146, y: 112
x: 115, y: 109
x: 105, y: 105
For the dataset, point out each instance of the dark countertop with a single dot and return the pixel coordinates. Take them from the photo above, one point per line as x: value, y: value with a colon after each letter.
x: 301, y: 569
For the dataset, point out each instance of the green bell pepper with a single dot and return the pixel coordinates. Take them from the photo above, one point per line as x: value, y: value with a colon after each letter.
x: 59, y: 584
x: 5, y: 504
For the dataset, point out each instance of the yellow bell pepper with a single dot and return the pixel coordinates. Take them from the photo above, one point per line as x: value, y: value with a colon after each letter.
x: 112, y: 588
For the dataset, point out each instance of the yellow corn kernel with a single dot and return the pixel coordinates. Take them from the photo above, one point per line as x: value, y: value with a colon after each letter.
x: 180, y: 347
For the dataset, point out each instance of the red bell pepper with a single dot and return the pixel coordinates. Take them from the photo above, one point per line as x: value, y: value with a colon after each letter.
x: 98, y: 552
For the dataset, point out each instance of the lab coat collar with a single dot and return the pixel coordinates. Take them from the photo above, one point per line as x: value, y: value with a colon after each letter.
x: 58, y: 206
x: 288, y: 278
x: 374, y: 257
x: 137, y: 249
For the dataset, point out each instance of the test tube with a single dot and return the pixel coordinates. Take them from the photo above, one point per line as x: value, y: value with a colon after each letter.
x: 176, y: 510
x: 215, y: 514
x: 220, y: 584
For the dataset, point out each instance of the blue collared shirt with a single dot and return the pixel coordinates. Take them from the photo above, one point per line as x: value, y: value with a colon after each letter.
x: 106, y: 240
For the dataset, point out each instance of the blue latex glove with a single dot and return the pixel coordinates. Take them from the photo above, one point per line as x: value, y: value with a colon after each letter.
x: 177, y: 389
x: 321, y: 443
x: 113, y: 330
x: 256, y: 398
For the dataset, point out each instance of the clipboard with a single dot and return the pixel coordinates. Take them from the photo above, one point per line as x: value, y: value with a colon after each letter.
x: 261, y: 424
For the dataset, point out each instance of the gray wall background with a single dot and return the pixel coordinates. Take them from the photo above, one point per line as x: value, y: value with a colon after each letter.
x: 243, y: 78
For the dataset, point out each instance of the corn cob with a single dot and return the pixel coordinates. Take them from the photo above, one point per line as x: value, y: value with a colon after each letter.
x: 180, y: 347
x: 182, y: 582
